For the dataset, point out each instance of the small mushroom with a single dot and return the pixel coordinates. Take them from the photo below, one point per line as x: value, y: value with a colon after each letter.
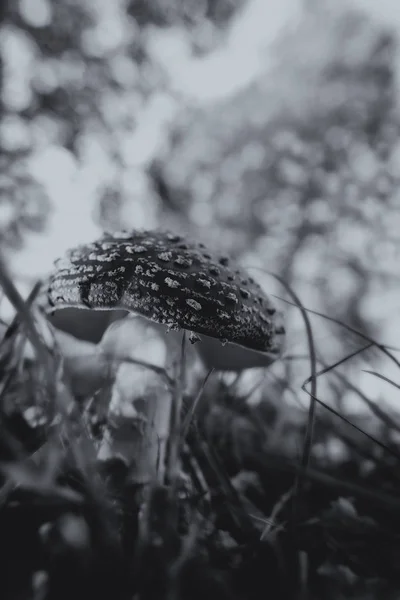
x: 174, y: 283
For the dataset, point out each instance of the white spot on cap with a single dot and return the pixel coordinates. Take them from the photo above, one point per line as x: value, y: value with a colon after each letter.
x: 205, y: 283
x: 181, y: 261
x: 116, y: 271
x: 135, y: 249
x: 223, y: 315
x: 165, y: 256
x: 194, y: 338
x: 232, y: 297
x: 172, y: 283
x: 193, y: 304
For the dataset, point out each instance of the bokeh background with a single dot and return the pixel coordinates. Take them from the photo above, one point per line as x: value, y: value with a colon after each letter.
x: 269, y: 129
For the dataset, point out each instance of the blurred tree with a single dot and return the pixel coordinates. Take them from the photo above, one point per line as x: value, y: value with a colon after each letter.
x: 204, y: 20
x: 24, y: 204
x: 301, y: 167
x: 77, y: 72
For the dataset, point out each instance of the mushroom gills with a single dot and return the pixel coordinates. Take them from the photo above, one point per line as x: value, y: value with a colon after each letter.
x: 90, y: 326
x: 231, y: 357
x: 85, y: 324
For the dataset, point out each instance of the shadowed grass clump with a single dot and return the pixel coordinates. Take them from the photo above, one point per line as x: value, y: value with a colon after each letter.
x: 237, y: 515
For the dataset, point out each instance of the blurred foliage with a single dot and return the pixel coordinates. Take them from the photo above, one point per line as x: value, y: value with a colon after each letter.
x: 297, y: 172
x: 302, y: 167
x: 77, y: 73
x: 88, y: 65
x: 24, y: 204
x: 203, y: 19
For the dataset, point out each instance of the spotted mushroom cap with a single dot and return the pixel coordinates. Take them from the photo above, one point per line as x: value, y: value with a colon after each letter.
x: 171, y: 281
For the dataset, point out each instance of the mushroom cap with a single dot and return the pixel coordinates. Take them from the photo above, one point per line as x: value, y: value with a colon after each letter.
x: 85, y: 325
x: 169, y: 280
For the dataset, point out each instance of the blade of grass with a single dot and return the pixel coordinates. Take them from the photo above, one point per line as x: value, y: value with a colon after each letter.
x: 308, y: 438
x: 192, y: 409
x: 217, y: 479
x: 15, y: 323
x: 24, y: 314
x: 383, y: 500
x: 368, y: 402
x: 381, y: 347
x: 384, y: 378
x: 354, y: 426
x: 373, y: 406
x: 173, y: 463
x: 375, y: 409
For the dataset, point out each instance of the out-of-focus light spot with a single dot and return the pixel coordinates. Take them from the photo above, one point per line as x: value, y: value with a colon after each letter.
x: 202, y: 186
x: 320, y: 213
x: 308, y: 258
x: 342, y: 282
x: 293, y: 172
x: 201, y: 214
x: 252, y: 155
x: 336, y: 450
x: 352, y: 236
x: 70, y: 222
x: 14, y: 133
x: 19, y: 55
x: 364, y: 164
x: 232, y: 169
x: 46, y: 76
x: 141, y: 209
x: 45, y: 131
x: 142, y: 146
x: 7, y: 213
x: 394, y: 160
x: 141, y: 212
x: 235, y: 65
x: 37, y: 13
x: 53, y: 166
x: 111, y: 29
x: 124, y: 70
x: 385, y: 11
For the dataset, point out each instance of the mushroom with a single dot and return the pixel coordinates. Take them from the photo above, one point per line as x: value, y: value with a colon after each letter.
x: 174, y: 283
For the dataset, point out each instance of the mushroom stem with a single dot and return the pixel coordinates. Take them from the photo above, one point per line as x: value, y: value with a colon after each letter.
x: 138, y: 423
x: 176, y: 410
x: 139, y: 413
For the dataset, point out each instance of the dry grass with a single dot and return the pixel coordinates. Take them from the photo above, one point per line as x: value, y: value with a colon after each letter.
x: 244, y: 517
